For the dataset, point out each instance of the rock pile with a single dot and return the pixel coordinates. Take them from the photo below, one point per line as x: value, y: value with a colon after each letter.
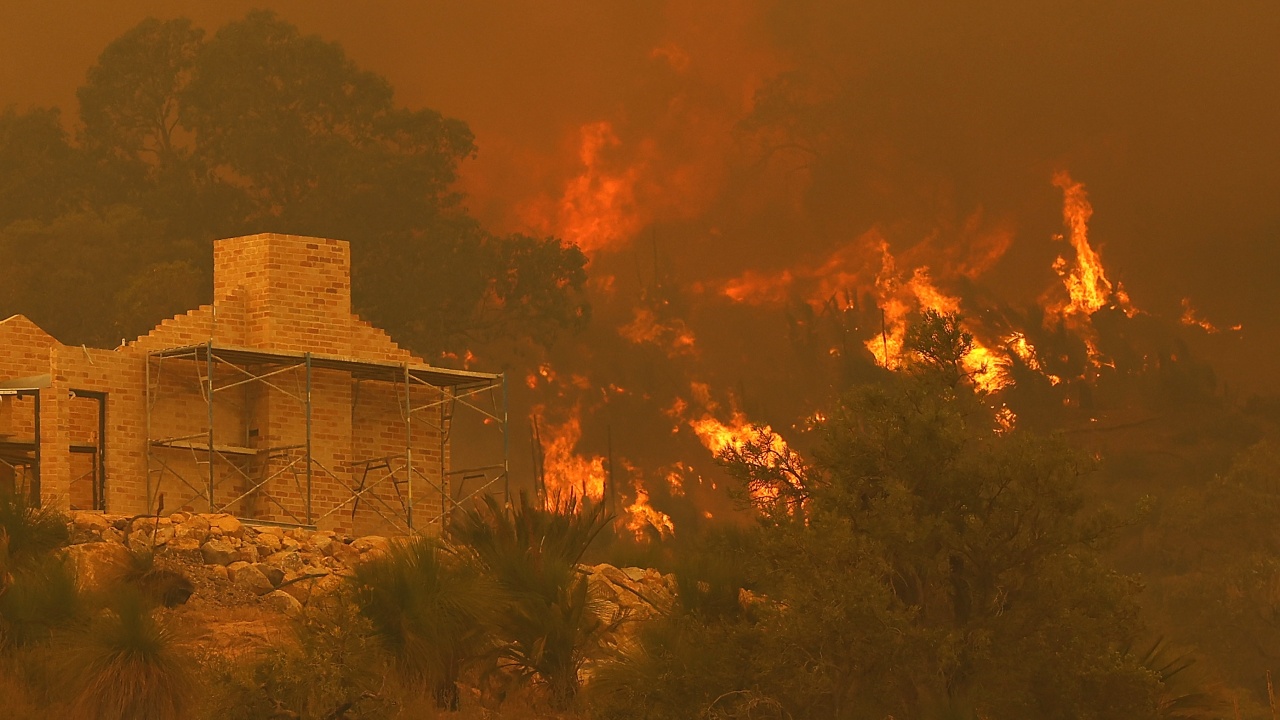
x: 285, y: 566
x: 631, y: 594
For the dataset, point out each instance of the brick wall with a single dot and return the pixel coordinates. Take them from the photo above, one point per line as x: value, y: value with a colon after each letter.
x: 272, y: 293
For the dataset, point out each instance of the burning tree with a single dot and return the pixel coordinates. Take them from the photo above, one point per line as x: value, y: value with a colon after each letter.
x: 943, y: 564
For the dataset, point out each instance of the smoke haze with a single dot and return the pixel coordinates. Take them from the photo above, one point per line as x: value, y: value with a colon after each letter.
x: 630, y: 124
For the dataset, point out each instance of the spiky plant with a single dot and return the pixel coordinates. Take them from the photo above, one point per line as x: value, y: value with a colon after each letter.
x: 39, y: 596
x: 1184, y: 693
x: 32, y: 531
x: 159, y: 585
x: 549, y: 622
x: 128, y: 665
x: 430, y: 611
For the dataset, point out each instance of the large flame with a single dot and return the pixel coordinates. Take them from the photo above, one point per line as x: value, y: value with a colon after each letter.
x: 597, y: 209
x: 897, y: 300
x: 565, y: 471
x: 1088, y: 288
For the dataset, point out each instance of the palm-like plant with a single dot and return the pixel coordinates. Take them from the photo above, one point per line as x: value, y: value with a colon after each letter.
x: 160, y: 585
x: 429, y: 610
x: 37, y: 596
x: 32, y: 531
x: 549, y: 622
x: 128, y: 664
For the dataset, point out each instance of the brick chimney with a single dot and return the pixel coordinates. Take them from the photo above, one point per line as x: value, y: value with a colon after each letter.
x: 294, y: 292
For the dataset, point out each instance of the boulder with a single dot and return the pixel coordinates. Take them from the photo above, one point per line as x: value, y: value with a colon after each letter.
x: 268, y: 542
x: 322, y: 542
x: 371, y: 543
x: 226, y: 525
x: 284, y: 560
x: 195, y: 527
x: 90, y: 521
x: 183, y: 544
x: 344, y: 554
x: 282, y: 601
x: 146, y: 538
x: 98, y: 564
x: 251, y: 578
x: 217, y: 551
x: 272, y: 573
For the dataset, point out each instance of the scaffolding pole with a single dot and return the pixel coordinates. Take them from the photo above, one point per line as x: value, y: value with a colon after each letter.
x: 449, y: 388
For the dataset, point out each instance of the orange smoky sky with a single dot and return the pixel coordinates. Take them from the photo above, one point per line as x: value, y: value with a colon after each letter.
x: 957, y: 115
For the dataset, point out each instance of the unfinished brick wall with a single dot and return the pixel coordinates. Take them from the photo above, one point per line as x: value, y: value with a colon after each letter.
x: 272, y: 294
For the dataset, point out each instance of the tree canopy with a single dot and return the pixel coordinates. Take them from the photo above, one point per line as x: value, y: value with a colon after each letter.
x: 259, y: 128
x: 927, y: 561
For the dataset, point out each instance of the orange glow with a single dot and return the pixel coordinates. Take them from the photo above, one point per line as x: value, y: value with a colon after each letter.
x: 564, y: 470
x: 1088, y: 288
x: 1005, y: 420
x: 598, y: 208
x: 641, y: 516
x: 1191, y: 318
x: 720, y: 437
x: 672, y: 335
x: 1018, y: 344
x: 987, y: 367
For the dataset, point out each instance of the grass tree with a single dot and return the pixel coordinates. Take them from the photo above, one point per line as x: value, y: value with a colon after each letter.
x: 548, y: 623
x: 430, y: 610
x: 127, y: 664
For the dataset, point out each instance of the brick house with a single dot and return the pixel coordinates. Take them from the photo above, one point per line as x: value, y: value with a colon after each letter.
x: 274, y: 403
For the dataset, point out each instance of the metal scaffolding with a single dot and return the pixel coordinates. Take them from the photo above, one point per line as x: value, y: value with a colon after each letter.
x: 217, y: 370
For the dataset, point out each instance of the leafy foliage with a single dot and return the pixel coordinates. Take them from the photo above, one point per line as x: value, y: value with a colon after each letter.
x: 31, y: 531
x: 331, y: 667
x: 933, y: 565
x: 258, y: 128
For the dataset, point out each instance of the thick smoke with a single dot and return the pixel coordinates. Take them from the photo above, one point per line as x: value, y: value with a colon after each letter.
x: 784, y: 150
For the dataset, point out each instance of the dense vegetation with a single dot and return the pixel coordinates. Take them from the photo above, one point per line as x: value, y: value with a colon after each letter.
x: 183, y: 139
x: 925, y: 562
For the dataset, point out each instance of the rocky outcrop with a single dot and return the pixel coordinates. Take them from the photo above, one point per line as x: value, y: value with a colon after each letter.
x: 251, y: 560
x: 235, y: 562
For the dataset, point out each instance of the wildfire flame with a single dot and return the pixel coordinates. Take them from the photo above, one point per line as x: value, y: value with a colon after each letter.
x: 1191, y: 318
x: 986, y: 367
x: 672, y: 335
x: 597, y: 209
x: 641, y: 516
x: 1086, y: 281
x: 565, y: 470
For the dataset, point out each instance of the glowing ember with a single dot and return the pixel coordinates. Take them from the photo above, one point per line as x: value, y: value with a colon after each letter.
x: 673, y: 335
x: 1005, y: 420
x: 1191, y: 318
